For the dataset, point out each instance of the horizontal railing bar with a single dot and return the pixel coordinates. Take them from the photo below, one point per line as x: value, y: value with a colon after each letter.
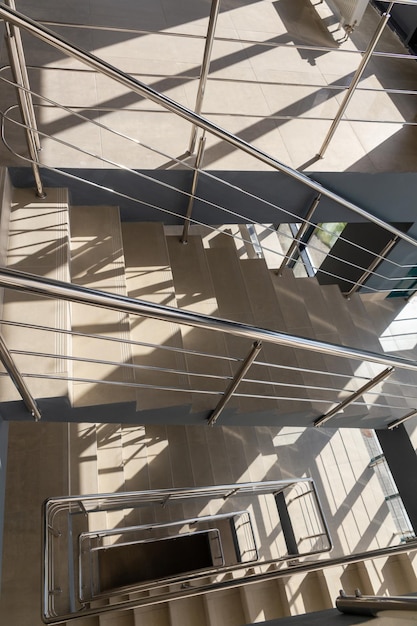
x: 105, y: 68
x: 324, y: 373
x: 180, y: 350
x: 43, y: 286
x: 317, y: 401
x: 132, y: 366
x: 120, y: 383
x: 273, y: 383
x: 268, y: 44
x: 116, y: 383
x: 126, y: 341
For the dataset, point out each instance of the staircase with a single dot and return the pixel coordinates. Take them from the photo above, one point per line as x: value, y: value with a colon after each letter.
x: 104, y: 363
x: 138, y: 436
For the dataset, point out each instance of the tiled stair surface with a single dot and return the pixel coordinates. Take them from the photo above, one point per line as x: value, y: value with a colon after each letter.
x: 38, y: 243
x: 97, y: 262
x: 139, y: 261
x: 149, y: 277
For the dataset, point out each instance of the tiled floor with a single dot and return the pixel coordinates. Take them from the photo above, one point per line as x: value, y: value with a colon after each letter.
x: 260, y: 86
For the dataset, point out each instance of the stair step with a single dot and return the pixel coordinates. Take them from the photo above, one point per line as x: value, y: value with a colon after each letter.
x: 83, y: 458
x: 110, y: 467
x: 38, y: 243
x: 266, y: 308
x: 157, y: 615
x: 119, y: 618
x: 308, y: 593
x: 396, y: 575
x: 195, y: 292
x: 135, y: 459
x: 234, y: 303
x: 225, y: 607
x: 264, y: 601
x: 97, y: 262
x: 188, y: 612
x: 353, y: 576
x: 149, y: 277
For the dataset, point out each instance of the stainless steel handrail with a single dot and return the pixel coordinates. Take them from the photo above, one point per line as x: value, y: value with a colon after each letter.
x: 55, y: 506
x: 38, y: 285
x: 376, y: 605
x: 97, y: 502
x: 49, y: 37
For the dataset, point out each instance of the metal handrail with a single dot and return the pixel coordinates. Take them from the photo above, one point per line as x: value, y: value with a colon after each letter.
x: 43, y: 286
x: 105, y: 68
x: 86, y: 504
x: 376, y: 605
x: 98, y: 502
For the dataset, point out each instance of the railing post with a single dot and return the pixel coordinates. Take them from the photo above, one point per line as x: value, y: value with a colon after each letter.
x: 377, y: 260
x: 196, y: 173
x: 205, y: 66
x: 257, y: 347
x: 372, y: 383
x: 295, y: 242
x: 406, y: 417
x: 20, y: 77
x: 355, y: 80
x: 19, y: 383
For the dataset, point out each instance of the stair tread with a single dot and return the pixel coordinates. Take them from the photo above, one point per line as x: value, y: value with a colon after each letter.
x: 195, y: 292
x: 234, y: 303
x: 149, y: 277
x: 97, y: 262
x: 38, y: 243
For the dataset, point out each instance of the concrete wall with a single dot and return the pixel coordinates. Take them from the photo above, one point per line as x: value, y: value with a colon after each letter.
x: 385, y: 195
x: 4, y: 428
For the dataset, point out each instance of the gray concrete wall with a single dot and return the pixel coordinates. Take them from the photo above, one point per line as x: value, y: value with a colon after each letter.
x: 4, y: 430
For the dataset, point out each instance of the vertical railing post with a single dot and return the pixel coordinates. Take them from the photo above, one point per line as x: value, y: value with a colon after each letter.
x: 196, y: 173
x: 19, y: 383
x: 342, y: 405
x: 297, y: 239
x: 205, y: 66
x: 355, y: 80
x: 256, y: 348
x: 20, y: 77
x: 377, y: 260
